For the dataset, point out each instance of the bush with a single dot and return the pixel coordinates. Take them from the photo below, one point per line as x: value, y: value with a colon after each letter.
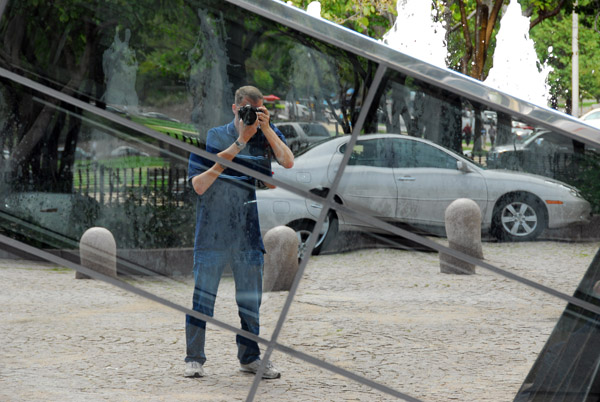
x: 150, y: 221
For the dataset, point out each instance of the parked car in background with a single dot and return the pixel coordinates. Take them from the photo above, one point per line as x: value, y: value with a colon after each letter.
x: 543, y: 152
x: 300, y: 135
x: 160, y: 116
x: 592, y: 117
x: 520, y: 129
x: 408, y: 180
x: 126, y: 150
x: 80, y: 153
x: 277, y: 207
x: 489, y: 117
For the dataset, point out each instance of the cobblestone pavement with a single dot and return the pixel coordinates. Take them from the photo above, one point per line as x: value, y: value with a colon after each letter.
x: 388, y: 315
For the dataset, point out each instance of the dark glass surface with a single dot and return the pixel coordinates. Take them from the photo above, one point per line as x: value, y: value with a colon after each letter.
x: 567, y: 367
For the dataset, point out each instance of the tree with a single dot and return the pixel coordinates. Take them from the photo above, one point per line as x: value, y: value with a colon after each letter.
x: 553, y: 42
x: 68, y: 60
x: 473, y: 25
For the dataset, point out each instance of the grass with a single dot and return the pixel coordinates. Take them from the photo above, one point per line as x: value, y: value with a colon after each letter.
x: 128, y: 162
x: 165, y: 126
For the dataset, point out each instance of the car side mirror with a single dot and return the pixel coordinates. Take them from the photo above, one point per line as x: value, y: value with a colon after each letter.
x: 463, y: 167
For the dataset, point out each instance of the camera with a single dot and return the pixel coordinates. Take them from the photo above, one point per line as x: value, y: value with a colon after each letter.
x: 248, y: 114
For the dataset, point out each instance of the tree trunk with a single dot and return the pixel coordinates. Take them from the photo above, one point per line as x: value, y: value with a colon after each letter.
x: 480, y: 41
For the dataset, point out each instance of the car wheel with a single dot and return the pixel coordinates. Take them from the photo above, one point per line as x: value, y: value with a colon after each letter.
x: 518, y: 218
x: 304, y: 229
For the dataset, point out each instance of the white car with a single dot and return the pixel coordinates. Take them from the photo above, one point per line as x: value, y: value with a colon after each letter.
x: 126, y: 150
x: 592, y: 117
x: 403, y: 179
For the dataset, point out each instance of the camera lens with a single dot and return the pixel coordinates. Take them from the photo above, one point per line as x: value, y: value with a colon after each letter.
x: 248, y: 114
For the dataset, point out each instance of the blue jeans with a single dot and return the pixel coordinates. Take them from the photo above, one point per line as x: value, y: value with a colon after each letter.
x: 247, y: 268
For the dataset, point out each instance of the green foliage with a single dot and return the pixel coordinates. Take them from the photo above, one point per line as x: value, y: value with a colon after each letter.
x: 556, y: 34
x: 370, y: 17
x: 588, y: 181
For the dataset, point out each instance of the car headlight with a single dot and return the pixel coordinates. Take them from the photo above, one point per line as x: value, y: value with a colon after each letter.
x: 575, y: 193
x: 572, y: 190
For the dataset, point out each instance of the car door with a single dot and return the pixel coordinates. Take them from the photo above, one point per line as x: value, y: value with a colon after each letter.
x: 429, y: 181
x: 368, y: 181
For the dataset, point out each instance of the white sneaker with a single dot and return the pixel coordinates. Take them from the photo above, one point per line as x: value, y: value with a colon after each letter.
x: 193, y: 369
x: 269, y: 373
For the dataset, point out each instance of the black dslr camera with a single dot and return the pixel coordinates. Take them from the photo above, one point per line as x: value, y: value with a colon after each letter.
x: 248, y: 114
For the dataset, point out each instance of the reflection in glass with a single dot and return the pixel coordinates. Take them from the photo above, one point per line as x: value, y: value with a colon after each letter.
x: 172, y: 68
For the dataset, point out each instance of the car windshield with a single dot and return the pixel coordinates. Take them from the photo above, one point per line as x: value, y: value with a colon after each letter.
x: 314, y: 144
x: 315, y: 130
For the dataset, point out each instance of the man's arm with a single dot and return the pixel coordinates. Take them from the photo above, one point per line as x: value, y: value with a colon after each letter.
x: 282, y: 153
x: 204, y: 180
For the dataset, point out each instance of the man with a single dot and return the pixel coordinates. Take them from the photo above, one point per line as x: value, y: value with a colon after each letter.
x: 227, y: 228
x: 492, y: 134
x: 467, y: 133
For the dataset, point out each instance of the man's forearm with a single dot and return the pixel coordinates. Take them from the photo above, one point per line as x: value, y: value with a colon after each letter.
x: 282, y: 153
x: 204, y: 180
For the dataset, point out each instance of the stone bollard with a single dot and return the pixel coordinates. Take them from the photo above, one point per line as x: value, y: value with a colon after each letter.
x: 98, y: 251
x: 463, y: 229
x: 281, y: 259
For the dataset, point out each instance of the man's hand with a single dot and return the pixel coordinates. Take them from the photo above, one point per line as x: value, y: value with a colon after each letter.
x: 247, y: 132
x: 263, y: 117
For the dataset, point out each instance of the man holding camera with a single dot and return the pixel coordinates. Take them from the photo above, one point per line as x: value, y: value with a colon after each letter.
x: 227, y: 227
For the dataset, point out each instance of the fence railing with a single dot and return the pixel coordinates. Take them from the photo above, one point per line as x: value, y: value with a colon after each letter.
x: 110, y: 186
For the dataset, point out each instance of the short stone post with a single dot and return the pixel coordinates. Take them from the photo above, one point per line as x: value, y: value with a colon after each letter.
x: 98, y: 251
x: 463, y: 229
x: 281, y: 259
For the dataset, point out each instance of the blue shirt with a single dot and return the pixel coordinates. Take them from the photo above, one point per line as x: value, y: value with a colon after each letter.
x: 226, y: 214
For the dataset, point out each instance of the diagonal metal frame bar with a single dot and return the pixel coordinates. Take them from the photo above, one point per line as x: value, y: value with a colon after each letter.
x: 379, y: 73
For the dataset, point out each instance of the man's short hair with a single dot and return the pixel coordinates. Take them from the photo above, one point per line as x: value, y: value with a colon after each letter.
x: 247, y: 91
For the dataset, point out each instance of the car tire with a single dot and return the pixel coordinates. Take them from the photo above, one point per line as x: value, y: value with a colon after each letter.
x: 304, y: 229
x: 518, y: 217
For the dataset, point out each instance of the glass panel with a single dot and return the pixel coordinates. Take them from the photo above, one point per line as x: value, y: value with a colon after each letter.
x: 174, y: 69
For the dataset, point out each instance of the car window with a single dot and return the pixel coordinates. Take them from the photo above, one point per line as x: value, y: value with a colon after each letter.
x: 416, y: 154
x: 370, y: 153
x: 554, y: 140
x: 314, y: 130
x: 593, y: 116
x: 288, y: 131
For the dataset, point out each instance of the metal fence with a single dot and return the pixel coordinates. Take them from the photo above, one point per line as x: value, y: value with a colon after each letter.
x: 112, y: 186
